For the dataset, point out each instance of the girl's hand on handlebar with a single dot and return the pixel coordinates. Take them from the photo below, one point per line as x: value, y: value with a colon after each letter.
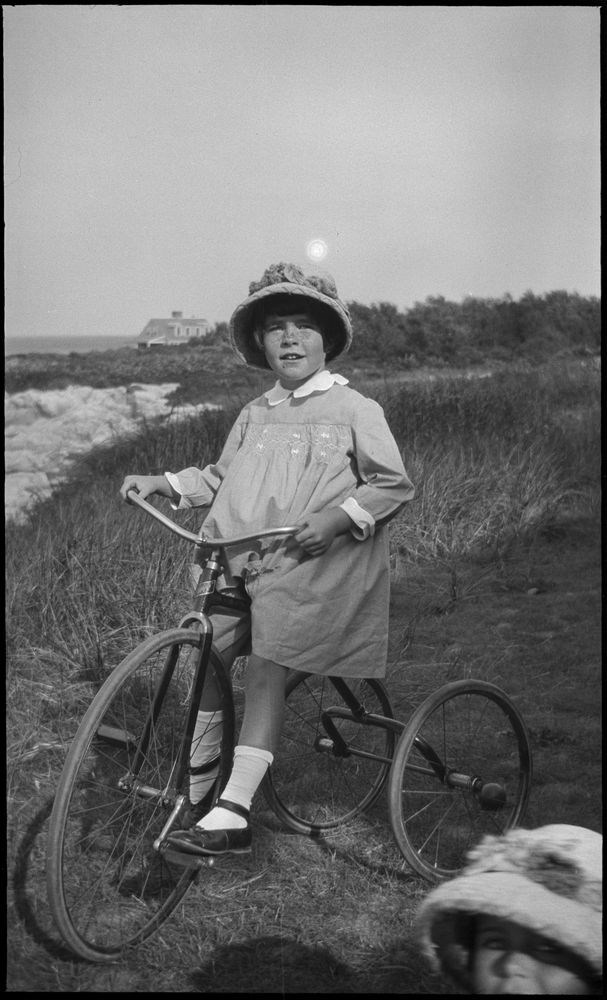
x: 145, y: 486
x: 316, y: 535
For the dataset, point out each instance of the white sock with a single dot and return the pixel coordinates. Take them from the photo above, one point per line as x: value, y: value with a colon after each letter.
x: 250, y: 765
x: 206, y: 746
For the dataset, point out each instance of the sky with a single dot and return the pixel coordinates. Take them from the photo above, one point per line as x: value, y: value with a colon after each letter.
x: 159, y: 158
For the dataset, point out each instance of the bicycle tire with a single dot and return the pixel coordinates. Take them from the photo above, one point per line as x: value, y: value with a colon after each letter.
x: 108, y: 890
x: 476, y: 731
x: 311, y: 788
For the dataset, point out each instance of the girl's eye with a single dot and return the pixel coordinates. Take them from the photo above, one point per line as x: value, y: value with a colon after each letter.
x: 492, y: 942
x: 545, y: 948
x: 305, y: 327
x: 550, y: 955
x: 491, y: 939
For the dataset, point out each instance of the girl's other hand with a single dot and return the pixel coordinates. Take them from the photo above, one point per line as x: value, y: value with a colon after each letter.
x: 145, y: 486
x: 316, y: 535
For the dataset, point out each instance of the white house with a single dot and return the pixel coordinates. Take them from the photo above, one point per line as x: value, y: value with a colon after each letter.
x: 173, y: 331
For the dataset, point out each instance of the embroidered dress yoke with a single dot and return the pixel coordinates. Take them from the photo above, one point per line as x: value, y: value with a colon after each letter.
x: 288, y: 455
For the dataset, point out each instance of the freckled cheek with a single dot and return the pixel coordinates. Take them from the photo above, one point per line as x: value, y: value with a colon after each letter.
x: 272, y: 355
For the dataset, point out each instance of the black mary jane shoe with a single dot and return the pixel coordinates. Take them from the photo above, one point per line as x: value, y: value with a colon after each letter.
x: 192, y: 814
x: 197, y: 843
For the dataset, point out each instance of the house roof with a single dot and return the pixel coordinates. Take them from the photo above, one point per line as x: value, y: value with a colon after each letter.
x: 163, y: 327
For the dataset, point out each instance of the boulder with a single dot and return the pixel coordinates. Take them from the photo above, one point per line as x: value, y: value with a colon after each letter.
x: 45, y: 430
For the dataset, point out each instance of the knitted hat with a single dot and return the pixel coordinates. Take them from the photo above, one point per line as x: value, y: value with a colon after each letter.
x: 548, y: 880
x: 284, y: 281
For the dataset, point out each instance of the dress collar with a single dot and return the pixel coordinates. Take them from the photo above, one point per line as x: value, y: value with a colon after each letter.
x: 319, y: 382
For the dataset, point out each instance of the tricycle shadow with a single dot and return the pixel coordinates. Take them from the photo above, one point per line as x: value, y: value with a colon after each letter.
x: 28, y: 883
x: 283, y: 965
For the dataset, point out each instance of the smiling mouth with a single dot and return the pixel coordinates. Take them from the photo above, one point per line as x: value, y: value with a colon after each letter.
x: 291, y: 357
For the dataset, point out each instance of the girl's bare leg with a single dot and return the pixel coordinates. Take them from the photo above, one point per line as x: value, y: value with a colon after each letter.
x: 265, y: 683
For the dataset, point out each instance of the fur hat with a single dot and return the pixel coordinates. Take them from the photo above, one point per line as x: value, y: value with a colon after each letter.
x: 548, y: 880
x: 284, y: 280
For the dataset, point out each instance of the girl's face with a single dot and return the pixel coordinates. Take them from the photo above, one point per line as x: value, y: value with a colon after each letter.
x: 509, y: 959
x: 294, y: 347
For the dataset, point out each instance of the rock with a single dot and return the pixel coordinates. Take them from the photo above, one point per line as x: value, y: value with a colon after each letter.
x: 46, y: 430
x: 21, y: 490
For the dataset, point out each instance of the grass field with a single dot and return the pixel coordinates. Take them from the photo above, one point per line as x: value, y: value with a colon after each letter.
x: 496, y: 574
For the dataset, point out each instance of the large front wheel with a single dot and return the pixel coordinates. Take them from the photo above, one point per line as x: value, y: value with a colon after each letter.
x: 462, y: 769
x: 333, y: 758
x: 125, y: 772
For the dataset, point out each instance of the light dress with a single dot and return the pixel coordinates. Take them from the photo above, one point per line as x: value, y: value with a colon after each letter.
x: 290, y: 454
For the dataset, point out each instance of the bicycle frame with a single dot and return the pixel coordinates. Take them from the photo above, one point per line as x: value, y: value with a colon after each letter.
x: 336, y: 745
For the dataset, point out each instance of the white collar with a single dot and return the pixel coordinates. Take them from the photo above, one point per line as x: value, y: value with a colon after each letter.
x: 319, y: 382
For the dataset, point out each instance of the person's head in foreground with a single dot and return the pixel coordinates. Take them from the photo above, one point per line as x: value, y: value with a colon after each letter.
x: 523, y: 917
x: 291, y: 323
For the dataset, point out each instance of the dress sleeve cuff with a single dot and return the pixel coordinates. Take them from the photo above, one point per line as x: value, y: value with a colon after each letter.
x: 363, y: 524
x: 173, y: 482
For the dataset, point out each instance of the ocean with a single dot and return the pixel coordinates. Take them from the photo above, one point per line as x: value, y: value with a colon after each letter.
x: 65, y: 345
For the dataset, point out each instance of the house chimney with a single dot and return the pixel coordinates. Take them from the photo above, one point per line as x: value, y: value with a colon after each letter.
x: 177, y: 315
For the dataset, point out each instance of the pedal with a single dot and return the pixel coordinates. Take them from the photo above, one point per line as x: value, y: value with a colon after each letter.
x: 186, y: 860
x: 492, y: 797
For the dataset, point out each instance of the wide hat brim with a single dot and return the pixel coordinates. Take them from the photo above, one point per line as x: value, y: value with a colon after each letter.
x: 242, y: 322
x: 568, y: 922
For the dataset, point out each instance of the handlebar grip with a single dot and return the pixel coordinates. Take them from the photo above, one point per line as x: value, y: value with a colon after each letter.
x: 133, y: 497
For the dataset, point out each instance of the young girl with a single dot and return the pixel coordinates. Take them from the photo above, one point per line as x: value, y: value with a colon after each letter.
x: 315, y: 454
x: 524, y: 917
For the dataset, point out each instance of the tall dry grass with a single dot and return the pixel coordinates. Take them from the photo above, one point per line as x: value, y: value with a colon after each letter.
x: 495, y: 458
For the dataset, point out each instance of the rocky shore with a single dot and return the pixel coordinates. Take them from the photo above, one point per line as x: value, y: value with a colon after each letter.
x: 45, y: 430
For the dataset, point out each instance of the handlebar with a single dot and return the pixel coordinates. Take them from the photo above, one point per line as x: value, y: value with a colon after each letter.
x: 202, y: 539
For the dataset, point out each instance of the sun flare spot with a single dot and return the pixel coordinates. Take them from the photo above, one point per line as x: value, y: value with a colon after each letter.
x: 317, y: 250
